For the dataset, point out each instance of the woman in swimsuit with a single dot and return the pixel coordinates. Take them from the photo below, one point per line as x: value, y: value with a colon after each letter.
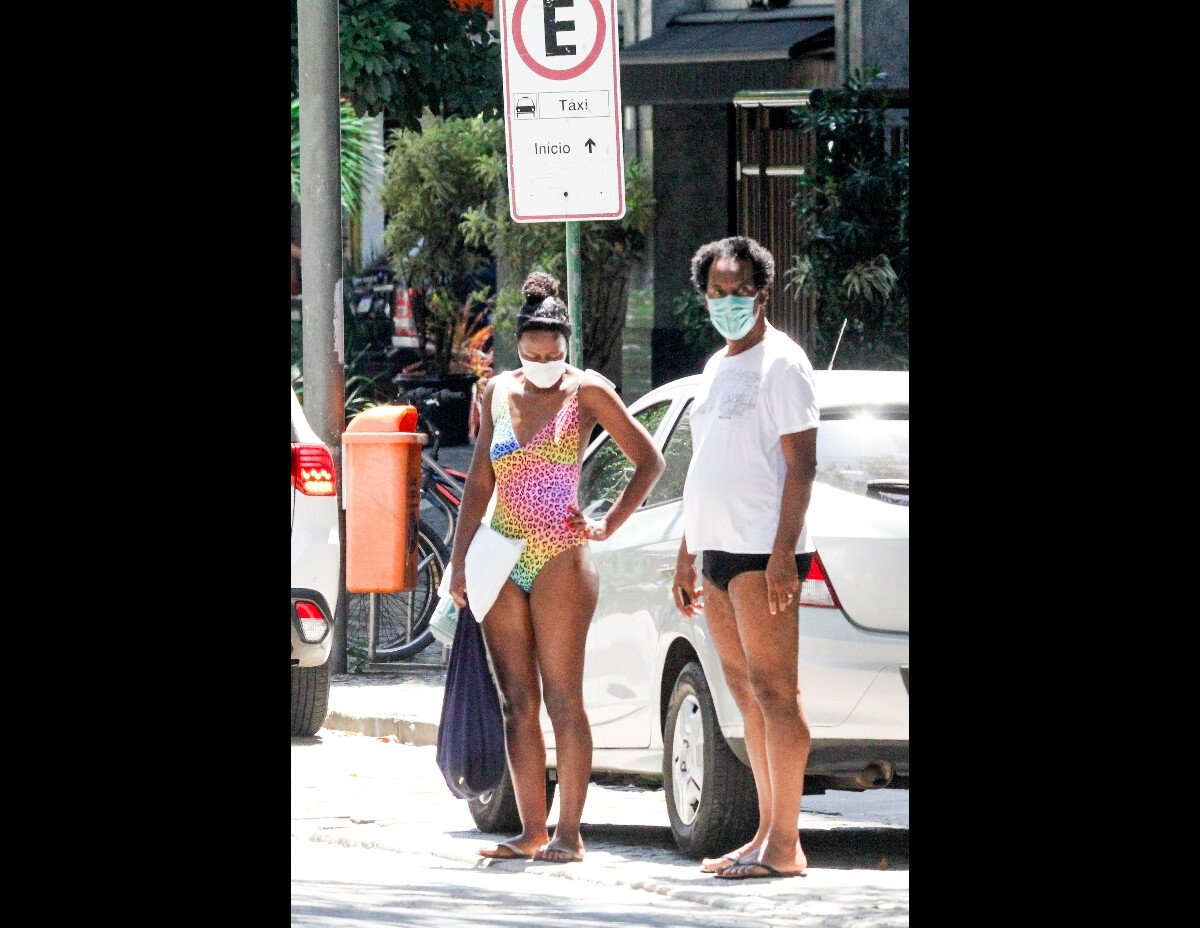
x: 528, y: 453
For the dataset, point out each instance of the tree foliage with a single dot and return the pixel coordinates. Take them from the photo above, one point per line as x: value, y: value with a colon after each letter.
x: 853, y: 208
x: 609, y: 253
x: 358, y: 148
x: 448, y: 217
x: 431, y: 180
x: 401, y: 57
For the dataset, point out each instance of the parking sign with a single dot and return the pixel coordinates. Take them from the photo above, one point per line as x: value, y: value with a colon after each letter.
x: 562, y: 110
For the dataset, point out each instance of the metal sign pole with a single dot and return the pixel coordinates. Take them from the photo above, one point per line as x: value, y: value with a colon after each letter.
x: 574, y: 296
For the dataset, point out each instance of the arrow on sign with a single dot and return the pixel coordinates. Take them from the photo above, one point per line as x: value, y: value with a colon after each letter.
x: 590, y: 145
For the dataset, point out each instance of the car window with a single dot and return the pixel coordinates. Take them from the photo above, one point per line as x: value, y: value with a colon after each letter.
x: 678, y: 454
x: 607, y: 470
x: 864, y: 450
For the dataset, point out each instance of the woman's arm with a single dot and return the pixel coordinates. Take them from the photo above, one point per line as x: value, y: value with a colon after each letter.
x: 631, y: 437
x: 481, y: 481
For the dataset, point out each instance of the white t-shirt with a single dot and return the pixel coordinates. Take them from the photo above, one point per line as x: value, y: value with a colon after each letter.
x: 744, y: 403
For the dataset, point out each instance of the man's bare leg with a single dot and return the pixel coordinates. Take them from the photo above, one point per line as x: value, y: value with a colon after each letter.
x: 771, y: 645
x: 718, y: 609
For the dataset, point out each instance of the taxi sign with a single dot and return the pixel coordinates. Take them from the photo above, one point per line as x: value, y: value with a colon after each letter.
x: 562, y: 110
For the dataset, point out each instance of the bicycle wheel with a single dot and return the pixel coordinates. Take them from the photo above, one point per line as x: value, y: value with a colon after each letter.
x: 438, y: 512
x: 402, y: 619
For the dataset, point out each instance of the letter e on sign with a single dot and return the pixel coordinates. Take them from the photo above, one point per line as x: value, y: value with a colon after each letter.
x: 562, y: 109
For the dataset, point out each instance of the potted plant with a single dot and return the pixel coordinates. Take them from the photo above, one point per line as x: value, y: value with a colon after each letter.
x: 457, y: 362
x: 430, y: 180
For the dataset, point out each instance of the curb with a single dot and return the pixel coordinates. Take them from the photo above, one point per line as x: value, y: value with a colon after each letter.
x: 404, y: 731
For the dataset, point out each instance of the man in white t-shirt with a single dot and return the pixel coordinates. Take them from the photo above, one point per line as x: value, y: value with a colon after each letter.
x: 754, y: 457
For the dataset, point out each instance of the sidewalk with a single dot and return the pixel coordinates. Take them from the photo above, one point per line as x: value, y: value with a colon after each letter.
x: 857, y: 844
x: 405, y: 704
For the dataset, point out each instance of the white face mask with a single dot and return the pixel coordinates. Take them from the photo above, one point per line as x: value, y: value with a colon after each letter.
x: 544, y: 375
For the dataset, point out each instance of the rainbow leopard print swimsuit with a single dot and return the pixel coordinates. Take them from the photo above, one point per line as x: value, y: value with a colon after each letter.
x: 535, y: 485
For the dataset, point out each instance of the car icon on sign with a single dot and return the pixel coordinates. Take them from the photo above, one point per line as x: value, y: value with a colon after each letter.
x: 525, y: 106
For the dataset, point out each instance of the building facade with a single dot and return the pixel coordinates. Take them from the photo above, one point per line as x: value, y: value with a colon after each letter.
x: 706, y: 92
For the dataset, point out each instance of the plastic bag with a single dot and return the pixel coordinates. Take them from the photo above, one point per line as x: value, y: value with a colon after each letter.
x: 470, y: 739
x: 444, y: 621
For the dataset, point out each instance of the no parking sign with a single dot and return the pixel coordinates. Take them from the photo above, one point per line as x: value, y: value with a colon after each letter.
x: 562, y: 110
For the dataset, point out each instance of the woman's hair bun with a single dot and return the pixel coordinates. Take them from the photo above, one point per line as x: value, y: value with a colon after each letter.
x: 539, y: 285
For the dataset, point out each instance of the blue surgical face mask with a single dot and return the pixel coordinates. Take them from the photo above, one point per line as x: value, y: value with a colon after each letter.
x: 732, y: 316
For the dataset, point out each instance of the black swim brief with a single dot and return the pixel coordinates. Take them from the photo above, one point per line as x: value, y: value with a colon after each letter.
x: 722, y: 566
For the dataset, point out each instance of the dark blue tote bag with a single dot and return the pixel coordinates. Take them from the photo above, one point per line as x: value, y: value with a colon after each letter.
x: 470, y: 740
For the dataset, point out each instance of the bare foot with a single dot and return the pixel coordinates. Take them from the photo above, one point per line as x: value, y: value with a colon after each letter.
x: 777, y: 865
x: 511, y: 850
x: 560, y: 853
x: 747, y: 853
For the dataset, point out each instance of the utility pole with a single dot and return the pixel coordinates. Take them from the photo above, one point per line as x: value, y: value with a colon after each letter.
x: 323, y: 353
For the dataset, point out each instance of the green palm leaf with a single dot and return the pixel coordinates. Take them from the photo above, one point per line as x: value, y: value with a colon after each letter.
x: 359, y: 147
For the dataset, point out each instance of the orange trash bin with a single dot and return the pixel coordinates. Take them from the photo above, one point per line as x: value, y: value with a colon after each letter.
x: 381, y: 493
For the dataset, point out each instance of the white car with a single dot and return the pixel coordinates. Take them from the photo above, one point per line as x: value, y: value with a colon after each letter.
x: 316, y: 572
x: 660, y: 711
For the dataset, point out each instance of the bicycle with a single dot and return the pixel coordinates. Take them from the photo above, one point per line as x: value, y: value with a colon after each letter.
x: 401, y: 619
x: 441, y: 487
x: 441, y: 496
x: 423, y: 400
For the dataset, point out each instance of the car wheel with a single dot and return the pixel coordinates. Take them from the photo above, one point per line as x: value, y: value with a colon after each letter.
x: 310, y: 698
x: 496, y: 812
x: 711, y: 798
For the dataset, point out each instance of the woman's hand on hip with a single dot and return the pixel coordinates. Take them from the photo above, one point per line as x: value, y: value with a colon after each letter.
x: 592, y: 529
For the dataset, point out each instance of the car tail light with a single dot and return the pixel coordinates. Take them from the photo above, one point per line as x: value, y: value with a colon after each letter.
x: 310, y: 620
x: 312, y: 470
x: 816, y: 590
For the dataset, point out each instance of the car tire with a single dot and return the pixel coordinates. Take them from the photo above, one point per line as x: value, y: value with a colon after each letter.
x: 496, y: 812
x: 711, y: 798
x: 310, y: 699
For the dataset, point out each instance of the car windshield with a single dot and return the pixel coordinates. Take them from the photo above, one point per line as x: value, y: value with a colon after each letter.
x: 607, y: 470
x: 861, y: 449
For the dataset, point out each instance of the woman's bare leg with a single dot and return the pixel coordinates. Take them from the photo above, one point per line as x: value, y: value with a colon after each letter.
x: 562, y: 601
x: 508, y: 631
x: 718, y: 610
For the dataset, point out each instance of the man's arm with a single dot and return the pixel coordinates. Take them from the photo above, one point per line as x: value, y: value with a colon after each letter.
x: 800, y: 453
x: 684, y: 590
